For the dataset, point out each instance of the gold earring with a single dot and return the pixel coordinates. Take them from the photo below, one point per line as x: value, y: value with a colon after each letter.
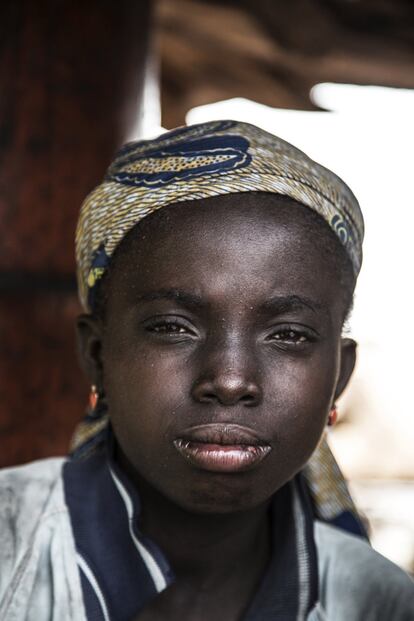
x: 93, y: 398
x: 333, y: 416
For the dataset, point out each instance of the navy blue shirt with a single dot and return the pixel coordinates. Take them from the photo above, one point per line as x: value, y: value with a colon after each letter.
x: 122, y: 570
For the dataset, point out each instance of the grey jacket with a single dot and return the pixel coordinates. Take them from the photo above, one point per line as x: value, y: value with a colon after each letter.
x: 39, y: 574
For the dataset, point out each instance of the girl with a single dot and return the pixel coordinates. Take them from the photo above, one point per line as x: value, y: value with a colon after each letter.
x: 216, y: 266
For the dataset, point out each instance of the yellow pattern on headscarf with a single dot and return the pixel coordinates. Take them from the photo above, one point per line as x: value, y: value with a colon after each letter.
x: 200, y: 161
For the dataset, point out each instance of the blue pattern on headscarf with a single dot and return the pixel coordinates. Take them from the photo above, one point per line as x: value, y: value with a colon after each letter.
x: 234, y: 150
x: 100, y: 261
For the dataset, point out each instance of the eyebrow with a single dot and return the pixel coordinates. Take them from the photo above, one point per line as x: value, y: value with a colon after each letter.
x: 191, y: 300
x: 275, y: 305
x: 282, y: 304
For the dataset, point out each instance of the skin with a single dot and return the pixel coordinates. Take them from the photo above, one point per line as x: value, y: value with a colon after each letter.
x: 228, y: 343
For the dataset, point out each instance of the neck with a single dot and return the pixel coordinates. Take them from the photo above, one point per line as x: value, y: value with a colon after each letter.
x: 206, y: 546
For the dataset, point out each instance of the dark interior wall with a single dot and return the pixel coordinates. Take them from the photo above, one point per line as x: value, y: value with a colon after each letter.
x: 71, y: 79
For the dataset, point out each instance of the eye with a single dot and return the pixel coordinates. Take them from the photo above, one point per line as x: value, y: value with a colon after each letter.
x: 164, y: 328
x: 169, y: 327
x: 289, y: 335
x: 294, y: 336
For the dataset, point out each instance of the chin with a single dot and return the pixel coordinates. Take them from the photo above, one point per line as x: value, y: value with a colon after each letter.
x: 223, y: 496
x: 216, y: 506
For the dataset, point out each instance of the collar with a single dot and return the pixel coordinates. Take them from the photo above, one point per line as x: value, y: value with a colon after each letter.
x: 121, y: 570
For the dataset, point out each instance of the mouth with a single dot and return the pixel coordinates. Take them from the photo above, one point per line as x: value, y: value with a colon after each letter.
x: 222, y: 447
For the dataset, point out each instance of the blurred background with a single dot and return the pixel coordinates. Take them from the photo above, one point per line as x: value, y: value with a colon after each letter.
x: 334, y: 77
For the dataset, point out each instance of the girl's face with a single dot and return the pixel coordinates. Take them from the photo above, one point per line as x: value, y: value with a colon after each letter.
x: 221, y: 353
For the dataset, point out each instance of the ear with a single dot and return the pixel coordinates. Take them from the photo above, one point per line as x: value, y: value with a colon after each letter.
x: 348, y: 359
x: 89, y: 332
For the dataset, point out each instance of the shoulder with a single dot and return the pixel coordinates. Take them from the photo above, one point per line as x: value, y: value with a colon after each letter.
x: 35, y: 538
x: 29, y: 494
x: 29, y: 487
x: 357, y: 583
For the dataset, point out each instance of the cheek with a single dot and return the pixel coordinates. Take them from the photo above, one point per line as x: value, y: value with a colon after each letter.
x: 301, y: 392
x: 143, y: 392
x: 306, y: 382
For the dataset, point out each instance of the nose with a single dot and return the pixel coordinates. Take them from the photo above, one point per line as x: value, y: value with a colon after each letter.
x: 228, y: 382
x: 228, y: 389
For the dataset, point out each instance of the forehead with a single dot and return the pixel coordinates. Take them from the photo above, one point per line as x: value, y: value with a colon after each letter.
x: 248, y: 243
x: 256, y: 217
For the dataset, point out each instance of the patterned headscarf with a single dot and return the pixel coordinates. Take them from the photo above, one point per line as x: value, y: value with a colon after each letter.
x: 200, y: 161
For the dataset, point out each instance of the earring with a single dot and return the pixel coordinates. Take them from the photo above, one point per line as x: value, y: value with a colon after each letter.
x: 333, y: 416
x: 97, y: 406
x: 93, y: 398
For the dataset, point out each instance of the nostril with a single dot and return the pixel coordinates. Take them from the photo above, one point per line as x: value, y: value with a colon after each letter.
x: 247, y: 399
x: 208, y: 397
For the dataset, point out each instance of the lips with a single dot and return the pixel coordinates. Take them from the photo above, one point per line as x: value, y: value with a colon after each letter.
x: 222, y: 447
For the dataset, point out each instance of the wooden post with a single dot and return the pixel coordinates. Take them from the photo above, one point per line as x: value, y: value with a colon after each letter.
x: 71, y: 80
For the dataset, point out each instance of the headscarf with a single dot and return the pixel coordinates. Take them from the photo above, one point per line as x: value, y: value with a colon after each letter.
x: 199, y: 161
x: 196, y: 162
